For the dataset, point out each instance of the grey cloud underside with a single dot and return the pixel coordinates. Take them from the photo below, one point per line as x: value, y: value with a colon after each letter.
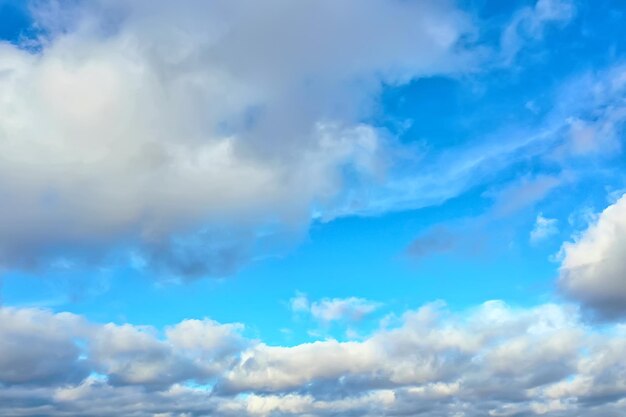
x: 492, y: 360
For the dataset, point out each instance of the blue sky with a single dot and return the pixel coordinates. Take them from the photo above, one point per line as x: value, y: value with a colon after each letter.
x: 200, y: 200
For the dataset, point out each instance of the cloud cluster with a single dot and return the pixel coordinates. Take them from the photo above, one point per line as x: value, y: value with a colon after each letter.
x: 593, y: 268
x: 189, y: 131
x: 491, y: 360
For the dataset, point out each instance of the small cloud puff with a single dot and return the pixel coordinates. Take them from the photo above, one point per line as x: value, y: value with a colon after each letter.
x: 327, y: 310
x: 543, y: 229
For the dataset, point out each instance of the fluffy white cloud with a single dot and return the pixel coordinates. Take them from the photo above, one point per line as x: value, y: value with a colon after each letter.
x: 188, y: 130
x: 593, y: 269
x: 491, y: 360
x: 202, y: 336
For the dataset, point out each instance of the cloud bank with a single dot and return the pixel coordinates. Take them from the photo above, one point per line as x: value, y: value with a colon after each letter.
x: 491, y: 360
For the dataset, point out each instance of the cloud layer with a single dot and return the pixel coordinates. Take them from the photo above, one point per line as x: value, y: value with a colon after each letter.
x: 492, y: 360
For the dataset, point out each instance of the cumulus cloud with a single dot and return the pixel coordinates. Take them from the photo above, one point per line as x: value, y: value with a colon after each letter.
x: 490, y: 360
x: 37, y: 347
x: 192, y: 350
x: 40, y: 348
x: 593, y: 267
x: 132, y: 356
x: 188, y: 132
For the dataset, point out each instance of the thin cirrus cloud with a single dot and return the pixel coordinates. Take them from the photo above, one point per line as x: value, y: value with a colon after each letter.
x: 490, y: 360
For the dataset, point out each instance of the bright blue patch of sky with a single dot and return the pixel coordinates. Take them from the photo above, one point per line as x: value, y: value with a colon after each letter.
x: 15, y: 20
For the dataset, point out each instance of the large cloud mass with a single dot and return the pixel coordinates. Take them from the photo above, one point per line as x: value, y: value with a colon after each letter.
x: 492, y: 360
x: 147, y: 124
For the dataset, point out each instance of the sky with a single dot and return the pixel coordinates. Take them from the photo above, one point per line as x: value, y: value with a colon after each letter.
x: 312, y: 208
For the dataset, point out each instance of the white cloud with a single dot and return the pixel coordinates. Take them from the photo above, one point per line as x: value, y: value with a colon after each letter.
x: 489, y: 360
x: 543, y: 229
x: 593, y: 268
x: 202, y: 336
x: 192, y: 350
x: 148, y: 124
